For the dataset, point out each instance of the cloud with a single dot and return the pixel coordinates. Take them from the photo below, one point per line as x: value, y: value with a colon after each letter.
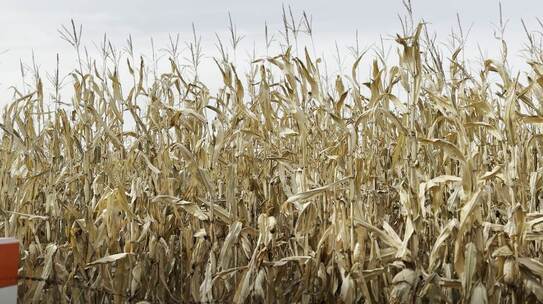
x: 32, y: 25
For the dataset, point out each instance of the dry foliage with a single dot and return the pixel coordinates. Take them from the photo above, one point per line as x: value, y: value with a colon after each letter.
x: 421, y: 185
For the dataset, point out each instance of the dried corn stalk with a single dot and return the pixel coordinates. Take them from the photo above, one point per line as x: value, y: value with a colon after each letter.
x: 423, y: 184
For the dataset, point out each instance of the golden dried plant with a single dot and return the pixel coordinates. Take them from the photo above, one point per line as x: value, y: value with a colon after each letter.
x: 421, y: 185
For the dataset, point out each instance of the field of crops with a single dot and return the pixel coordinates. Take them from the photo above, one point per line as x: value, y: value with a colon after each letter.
x: 418, y: 183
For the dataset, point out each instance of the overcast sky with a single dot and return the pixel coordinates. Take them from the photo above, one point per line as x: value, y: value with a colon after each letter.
x: 28, y: 26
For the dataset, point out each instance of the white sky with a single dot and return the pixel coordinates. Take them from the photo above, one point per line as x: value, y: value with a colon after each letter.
x: 31, y: 26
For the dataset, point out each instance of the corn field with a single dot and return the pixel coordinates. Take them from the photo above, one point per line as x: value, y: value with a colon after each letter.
x: 421, y: 183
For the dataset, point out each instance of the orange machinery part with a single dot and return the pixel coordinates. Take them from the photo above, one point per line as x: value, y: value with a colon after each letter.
x: 9, y: 261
